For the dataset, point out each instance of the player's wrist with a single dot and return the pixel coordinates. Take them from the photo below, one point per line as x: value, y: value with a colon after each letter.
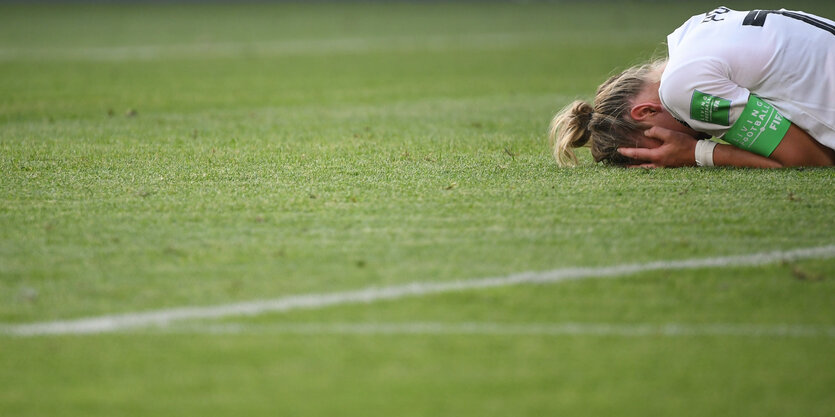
x: 704, y: 152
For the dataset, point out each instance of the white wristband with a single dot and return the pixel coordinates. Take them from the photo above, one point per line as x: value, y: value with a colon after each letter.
x: 704, y: 152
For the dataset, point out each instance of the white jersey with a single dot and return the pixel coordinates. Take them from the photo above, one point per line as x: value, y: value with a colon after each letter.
x: 726, y: 67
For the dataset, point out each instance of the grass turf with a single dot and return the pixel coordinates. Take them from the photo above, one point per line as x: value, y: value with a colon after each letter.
x: 169, y: 155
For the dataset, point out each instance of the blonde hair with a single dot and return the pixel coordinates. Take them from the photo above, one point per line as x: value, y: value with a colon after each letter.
x: 607, y: 125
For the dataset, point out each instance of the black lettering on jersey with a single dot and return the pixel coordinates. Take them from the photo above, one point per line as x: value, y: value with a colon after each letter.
x: 714, y: 15
x: 682, y: 122
x: 757, y: 18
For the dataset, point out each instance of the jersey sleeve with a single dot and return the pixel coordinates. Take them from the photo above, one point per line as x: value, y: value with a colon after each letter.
x: 701, y: 94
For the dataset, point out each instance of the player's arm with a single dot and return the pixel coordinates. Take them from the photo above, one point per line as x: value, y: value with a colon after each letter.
x: 677, y: 149
x: 703, y: 96
x: 761, y: 129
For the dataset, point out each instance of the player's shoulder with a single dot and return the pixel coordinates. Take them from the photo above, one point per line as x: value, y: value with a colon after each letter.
x: 685, y: 80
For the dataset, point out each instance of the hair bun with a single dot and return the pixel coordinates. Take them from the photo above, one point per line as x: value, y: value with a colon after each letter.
x: 581, y: 114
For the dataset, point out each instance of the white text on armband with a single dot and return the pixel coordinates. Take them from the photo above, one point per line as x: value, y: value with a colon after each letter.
x: 759, y: 129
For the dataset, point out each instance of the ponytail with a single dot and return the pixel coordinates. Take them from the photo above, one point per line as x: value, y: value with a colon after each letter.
x: 570, y: 129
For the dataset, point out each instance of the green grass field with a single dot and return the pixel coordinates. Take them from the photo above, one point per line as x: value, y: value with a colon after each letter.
x: 164, y: 156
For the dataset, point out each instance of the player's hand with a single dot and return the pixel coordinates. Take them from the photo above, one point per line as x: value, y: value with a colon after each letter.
x: 677, y: 149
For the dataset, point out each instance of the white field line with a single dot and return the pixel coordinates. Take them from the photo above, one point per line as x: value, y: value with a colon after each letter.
x: 510, y: 329
x: 275, y: 48
x: 118, y: 322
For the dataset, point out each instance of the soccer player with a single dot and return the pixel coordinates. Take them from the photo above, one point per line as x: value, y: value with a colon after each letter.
x: 762, y: 80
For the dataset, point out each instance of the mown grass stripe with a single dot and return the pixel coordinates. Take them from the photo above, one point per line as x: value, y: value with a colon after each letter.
x: 119, y: 322
x: 277, y: 47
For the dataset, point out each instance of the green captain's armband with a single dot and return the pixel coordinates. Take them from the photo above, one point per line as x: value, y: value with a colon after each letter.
x: 759, y: 129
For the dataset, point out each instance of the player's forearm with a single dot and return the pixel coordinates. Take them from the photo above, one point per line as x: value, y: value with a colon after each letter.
x: 728, y: 155
x: 798, y: 148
